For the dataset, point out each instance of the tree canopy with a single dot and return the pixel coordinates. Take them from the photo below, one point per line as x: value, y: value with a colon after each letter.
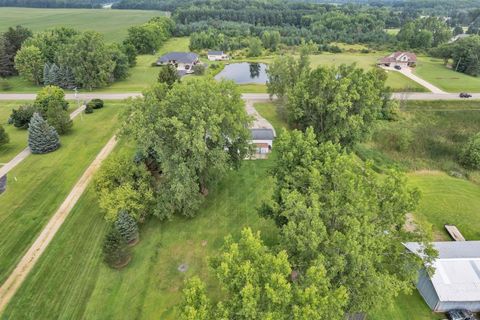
x: 194, y: 132
x: 330, y: 207
x: 258, y: 284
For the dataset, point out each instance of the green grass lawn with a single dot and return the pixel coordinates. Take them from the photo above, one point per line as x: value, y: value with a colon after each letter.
x: 113, y: 24
x: 38, y: 185
x: 71, y: 282
x: 18, y: 137
x: 429, y: 135
x: 435, y: 72
x: 406, y: 307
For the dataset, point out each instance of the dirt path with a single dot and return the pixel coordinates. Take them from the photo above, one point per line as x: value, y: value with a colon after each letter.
x: 18, y: 275
x: 7, y: 167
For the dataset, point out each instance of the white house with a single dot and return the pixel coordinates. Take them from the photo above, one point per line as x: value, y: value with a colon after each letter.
x: 183, y: 61
x: 217, y: 56
x: 262, y: 139
x: 455, y: 283
x: 399, y: 58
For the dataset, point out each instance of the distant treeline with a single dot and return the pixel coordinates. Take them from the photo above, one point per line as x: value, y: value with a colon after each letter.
x: 54, y: 3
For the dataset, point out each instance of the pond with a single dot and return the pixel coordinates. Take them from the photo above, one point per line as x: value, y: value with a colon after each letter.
x: 244, y: 72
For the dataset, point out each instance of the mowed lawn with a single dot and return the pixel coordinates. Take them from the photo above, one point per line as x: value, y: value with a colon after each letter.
x: 113, y: 24
x: 38, y: 185
x: 434, y: 71
x: 71, y: 282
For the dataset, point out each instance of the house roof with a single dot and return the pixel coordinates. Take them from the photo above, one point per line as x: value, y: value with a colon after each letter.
x: 262, y: 134
x: 215, y: 53
x: 396, y: 56
x: 457, y: 269
x: 182, y: 57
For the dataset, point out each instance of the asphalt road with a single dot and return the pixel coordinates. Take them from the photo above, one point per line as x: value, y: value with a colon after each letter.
x: 247, y: 96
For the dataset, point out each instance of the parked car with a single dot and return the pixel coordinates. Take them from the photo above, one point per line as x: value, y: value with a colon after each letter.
x: 460, y: 314
x: 398, y: 67
x: 465, y: 95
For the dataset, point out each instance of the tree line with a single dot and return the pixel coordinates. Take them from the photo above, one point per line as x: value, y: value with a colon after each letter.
x: 53, y: 3
x: 69, y: 58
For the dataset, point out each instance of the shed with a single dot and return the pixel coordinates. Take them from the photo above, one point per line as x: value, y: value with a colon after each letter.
x: 455, y: 283
x: 217, y: 55
x: 262, y: 138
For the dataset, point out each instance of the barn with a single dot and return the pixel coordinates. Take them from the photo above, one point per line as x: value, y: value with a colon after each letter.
x: 455, y: 283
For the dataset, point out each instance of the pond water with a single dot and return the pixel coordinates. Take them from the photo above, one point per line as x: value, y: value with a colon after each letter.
x: 244, y: 72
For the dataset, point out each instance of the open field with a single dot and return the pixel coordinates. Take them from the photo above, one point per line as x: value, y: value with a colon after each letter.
x: 113, y: 24
x: 40, y: 183
x: 429, y: 135
x: 434, y: 71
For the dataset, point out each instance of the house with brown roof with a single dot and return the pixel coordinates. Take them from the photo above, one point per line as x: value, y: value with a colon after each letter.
x: 399, y: 58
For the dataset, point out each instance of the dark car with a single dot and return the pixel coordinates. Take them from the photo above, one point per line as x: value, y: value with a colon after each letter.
x: 398, y: 67
x: 465, y: 95
x: 460, y: 314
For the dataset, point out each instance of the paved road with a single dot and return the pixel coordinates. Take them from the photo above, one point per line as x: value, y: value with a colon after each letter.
x: 407, y: 72
x: 26, y: 264
x: 245, y: 96
x: 6, y: 168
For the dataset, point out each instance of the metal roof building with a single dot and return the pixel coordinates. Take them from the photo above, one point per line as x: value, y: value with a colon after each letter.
x: 456, y: 281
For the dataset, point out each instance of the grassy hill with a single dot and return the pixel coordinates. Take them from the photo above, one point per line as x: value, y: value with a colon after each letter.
x: 113, y: 24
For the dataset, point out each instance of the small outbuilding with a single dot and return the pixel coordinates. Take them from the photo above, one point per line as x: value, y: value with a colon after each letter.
x: 183, y: 61
x: 217, y: 56
x: 262, y: 139
x: 455, y: 283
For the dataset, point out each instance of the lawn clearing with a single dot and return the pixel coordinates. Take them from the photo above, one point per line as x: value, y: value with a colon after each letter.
x: 113, y: 24
x: 38, y: 185
x: 434, y: 71
x: 81, y: 286
x: 18, y: 137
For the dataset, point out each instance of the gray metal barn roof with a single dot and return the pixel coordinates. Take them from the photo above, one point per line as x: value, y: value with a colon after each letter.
x: 181, y: 57
x: 262, y: 134
x: 457, y: 269
x: 215, y: 53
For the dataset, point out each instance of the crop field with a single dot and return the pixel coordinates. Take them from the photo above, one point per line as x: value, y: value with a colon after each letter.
x: 434, y: 71
x: 38, y: 185
x: 113, y: 24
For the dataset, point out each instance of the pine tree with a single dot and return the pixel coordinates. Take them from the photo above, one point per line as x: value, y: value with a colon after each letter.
x: 42, y: 138
x: 4, y: 139
x: 55, y: 76
x: 127, y: 226
x: 115, y: 250
x: 46, y: 75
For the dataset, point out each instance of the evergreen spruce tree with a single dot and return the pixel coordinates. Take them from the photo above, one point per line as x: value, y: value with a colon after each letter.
x: 4, y: 139
x: 42, y: 138
x: 55, y: 76
x: 115, y: 251
x: 127, y: 226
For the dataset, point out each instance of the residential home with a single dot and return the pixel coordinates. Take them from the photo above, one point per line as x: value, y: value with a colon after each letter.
x: 455, y: 283
x: 217, y: 56
x: 399, y: 58
x: 183, y: 61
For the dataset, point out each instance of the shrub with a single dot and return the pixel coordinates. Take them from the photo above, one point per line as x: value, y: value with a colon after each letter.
x: 50, y: 96
x: 42, y: 138
x: 470, y: 155
x: 4, y: 139
x: 89, y: 108
x: 59, y: 119
x: 168, y: 75
x: 115, y: 251
x: 97, y: 103
x: 127, y: 226
x: 199, y: 69
x: 21, y: 118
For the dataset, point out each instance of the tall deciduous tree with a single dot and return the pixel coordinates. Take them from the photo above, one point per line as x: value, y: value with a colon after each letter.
x: 42, y: 137
x: 122, y: 185
x: 30, y: 63
x: 254, y: 47
x: 90, y: 60
x: 330, y: 207
x: 259, y: 284
x: 10, y: 42
x: 197, y: 130
x: 340, y: 103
